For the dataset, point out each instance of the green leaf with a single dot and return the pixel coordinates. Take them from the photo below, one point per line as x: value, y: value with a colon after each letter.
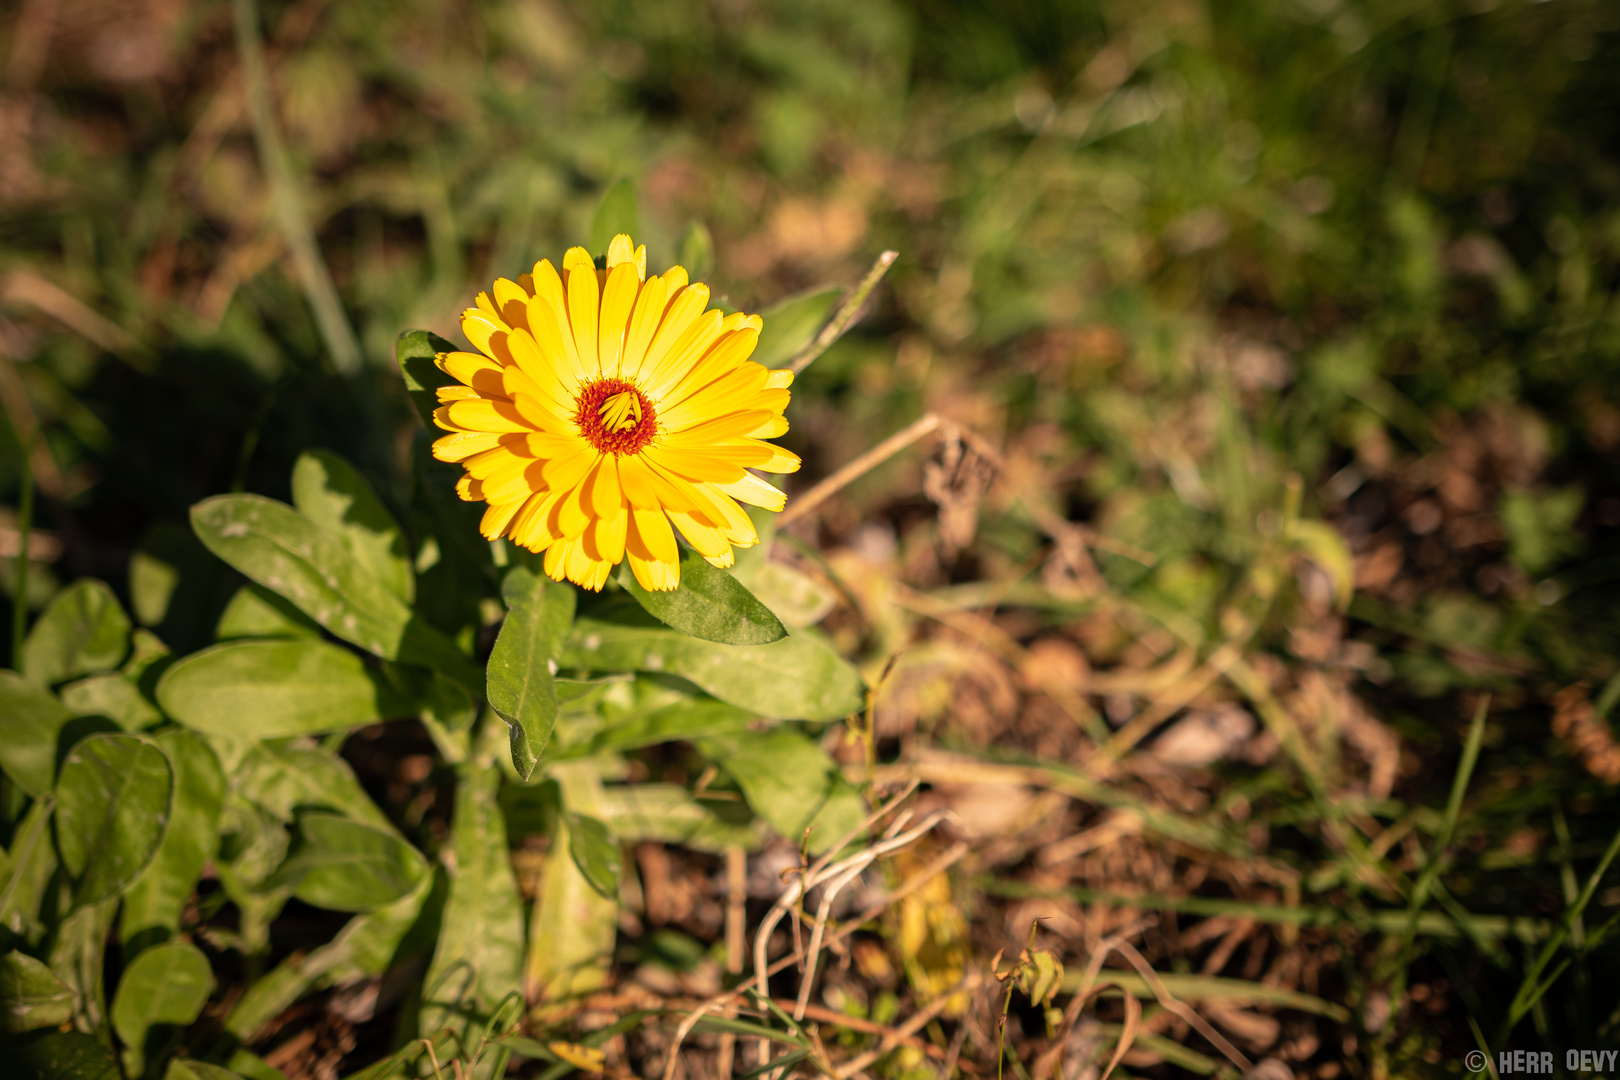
x: 682, y: 721
x: 366, y: 946
x: 275, y: 689
x: 415, y: 350
x: 287, y: 553
x: 616, y: 214
x: 153, y: 905
x: 788, y: 780
x: 790, y: 323
x: 342, y: 865
x: 256, y: 612
x: 596, y: 854
x: 330, y: 492
x: 287, y: 779
x: 112, y: 806
x: 478, y: 960
x: 798, y: 599
x: 114, y: 696
x: 31, y: 996
x: 697, y: 250
x: 797, y: 676
x: 184, y: 1069
x: 668, y: 814
x: 79, y: 958
x: 168, y: 984
x: 60, y: 1055
x: 709, y: 604
x: 573, y: 926
x: 82, y: 631
x: 33, y: 865
x: 519, y: 682
x: 31, y: 721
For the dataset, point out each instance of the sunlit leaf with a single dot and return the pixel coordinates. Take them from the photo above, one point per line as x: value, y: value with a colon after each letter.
x: 168, y: 984
x: 112, y: 806
x: 31, y: 996
x: 330, y: 492
x: 83, y: 630
x: 273, y: 689
x: 595, y: 853
x: 616, y: 214
x: 415, y: 350
x: 31, y: 720
x: 796, y: 677
x: 154, y: 903
x: 519, y: 682
x: 709, y: 604
x: 343, y: 865
x: 791, y: 323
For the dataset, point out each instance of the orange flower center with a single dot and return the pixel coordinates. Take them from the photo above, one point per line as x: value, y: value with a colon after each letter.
x: 615, y: 417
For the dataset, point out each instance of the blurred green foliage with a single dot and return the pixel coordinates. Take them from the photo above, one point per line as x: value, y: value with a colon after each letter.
x: 1173, y: 252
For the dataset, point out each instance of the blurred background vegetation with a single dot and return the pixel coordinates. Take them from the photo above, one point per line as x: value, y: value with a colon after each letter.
x: 1179, y: 261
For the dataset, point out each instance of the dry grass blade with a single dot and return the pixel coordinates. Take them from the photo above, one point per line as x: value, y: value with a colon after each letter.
x: 913, y: 1025
x: 845, y: 316
x: 1133, y: 1023
x: 802, y: 505
x: 26, y: 287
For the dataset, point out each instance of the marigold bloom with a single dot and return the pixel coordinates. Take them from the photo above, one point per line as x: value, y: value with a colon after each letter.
x: 604, y: 410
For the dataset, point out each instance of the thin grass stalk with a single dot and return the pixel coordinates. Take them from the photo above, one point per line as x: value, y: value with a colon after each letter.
x: 313, y: 275
x: 845, y: 316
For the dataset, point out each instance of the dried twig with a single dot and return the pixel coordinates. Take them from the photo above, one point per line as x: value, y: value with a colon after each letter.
x: 803, y: 504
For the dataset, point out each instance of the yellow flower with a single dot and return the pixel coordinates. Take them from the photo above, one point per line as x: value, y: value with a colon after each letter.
x: 604, y: 407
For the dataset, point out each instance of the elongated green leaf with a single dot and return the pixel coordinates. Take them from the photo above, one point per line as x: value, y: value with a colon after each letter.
x: 668, y: 814
x: 31, y: 720
x: 79, y: 958
x: 112, y: 807
x: 168, y: 984
x: 684, y: 721
x: 595, y: 853
x: 709, y: 604
x: 273, y: 689
x: 287, y: 779
x: 478, y: 960
x: 343, y: 865
x: 154, y: 903
x: 616, y: 214
x: 185, y: 1069
x: 256, y: 612
x: 696, y: 252
x: 797, y: 676
x: 114, y: 696
x: 330, y: 492
x: 287, y: 553
x: 415, y: 350
x: 33, y: 862
x: 366, y: 946
x: 253, y: 843
x: 573, y: 925
x: 796, y: 598
x: 791, y: 323
x: 31, y: 996
x: 787, y: 778
x: 82, y: 631
x: 60, y: 1055
x: 519, y: 681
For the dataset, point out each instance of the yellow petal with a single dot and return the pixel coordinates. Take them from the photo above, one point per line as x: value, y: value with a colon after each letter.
x: 584, y: 305
x: 472, y: 369
x: 512, y: 302
x: 529, y: 527
x: 464, y: 444
x: 567, y: 470
x: 781, y: 461
x: 477, y: 326
x: 693, y: 465
x: 684, y: 313
x: 709, y: 540
x: 643, y: 325
x: 483, y: 415
x: 577, y: 258
x: 498, y: 517
x: 605, y: 539
x: 756, y: 492
x: 724, y: 562
x: 731, y: 517
x: 728, y: 353
x: 770, y: 429
x: 447, y: 394
x: 606, y: 497
x: 618, y: 297
x: 652, y: 540
x: 780, y: 379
